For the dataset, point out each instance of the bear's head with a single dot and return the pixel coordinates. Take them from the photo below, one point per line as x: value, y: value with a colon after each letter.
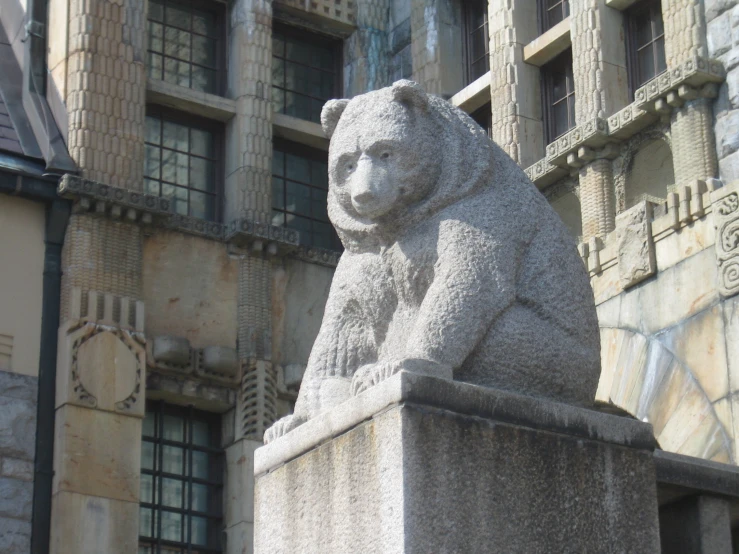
x: 396, y: 157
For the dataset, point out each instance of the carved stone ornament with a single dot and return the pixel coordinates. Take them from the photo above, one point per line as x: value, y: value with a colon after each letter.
x: 726, y: 217
x: 105, y: 366
x: 455, y: 265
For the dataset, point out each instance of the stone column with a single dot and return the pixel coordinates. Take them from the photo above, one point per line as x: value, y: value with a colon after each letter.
x: 417, y: 464
x: 436, y: 51
x: 239, y: 492
x: 366, y: 67
x: 693, y: 140
x: 515, y: 85
x: 599, y: 71
x: 248, y: 201
x: 696, y: 525
x: 105, y: 89
x: 596, y: 198
x: 101, y: 368
x: 101, y: 362
x: 249, y: 134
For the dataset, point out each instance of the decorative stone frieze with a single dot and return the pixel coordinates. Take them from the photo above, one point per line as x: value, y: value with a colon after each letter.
x: 693, y: 72
x: 726, y: 218
x: 636, y: 259
x: 114, y: 202
x: 543, y: 173
x: 262, y: 237
x: 592, y: 134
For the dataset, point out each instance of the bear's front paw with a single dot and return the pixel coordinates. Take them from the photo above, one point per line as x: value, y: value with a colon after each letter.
x: 280, y: 427
x: 369, y: 375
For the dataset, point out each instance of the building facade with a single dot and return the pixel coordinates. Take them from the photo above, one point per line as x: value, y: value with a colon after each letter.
x: 197, y: 254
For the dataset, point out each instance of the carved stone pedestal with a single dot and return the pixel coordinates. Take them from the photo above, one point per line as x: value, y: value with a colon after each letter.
x: 417, y: 464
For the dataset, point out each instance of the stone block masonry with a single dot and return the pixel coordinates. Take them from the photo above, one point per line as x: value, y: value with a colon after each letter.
x: 418, y: 464
x: 105, y: 90
x: 18, y: 399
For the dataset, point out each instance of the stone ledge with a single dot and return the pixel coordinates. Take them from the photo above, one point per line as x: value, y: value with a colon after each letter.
x: 192, y: 101
x: 549, y: 45
x: 460, y: 398
x: 473, y: 96
x: 299, y: 130
x: 620, y: 4
x: 696, y: 475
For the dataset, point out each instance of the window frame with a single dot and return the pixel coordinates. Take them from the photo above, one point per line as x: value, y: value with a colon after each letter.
x: 315, y: 154
x: 547, y: 95
x: 335, y: 43
x: 485, y: 111
x: 543, y: 14
x: 217, y: 129
x: 467, y: 30
x: 219, y: 9
x: 218, y: 458
x: 632, y: 50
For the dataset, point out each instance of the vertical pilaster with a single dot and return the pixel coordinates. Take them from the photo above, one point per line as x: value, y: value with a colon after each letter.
x: 367, y: 49
x: 598, y: 60
x: 106, y: 89
x: 515, y: 85
x: 249, y: 133
x: 685, y: 30
x: 436, y: 40
x: 693, y: 140
x: 601, y: 89
x: 101, y: 368
x: 596, y: 198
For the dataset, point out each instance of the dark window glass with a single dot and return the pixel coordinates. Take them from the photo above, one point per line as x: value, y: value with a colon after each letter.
x: 181, y: 481
x: 185, y: 44
x: 552, y: 12
x: 305, y: 73
x: 477, y: 43
x: 181, y: 162
x: 558, y: 92
x: 646, y: 43
x: 484, y: 118
x: 299, y: 193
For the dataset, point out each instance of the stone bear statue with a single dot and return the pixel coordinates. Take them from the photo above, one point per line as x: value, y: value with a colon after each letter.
x: 454, y: 265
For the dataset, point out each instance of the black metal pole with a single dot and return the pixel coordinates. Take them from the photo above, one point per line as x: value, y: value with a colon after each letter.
x: 57, y: 215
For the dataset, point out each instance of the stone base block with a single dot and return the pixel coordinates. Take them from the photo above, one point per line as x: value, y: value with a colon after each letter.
x: 417, y: 464
x: 92, y: 525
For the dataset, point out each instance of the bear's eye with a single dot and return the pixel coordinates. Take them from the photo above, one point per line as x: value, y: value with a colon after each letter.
x: 349, y: 166
x: 385, y: 155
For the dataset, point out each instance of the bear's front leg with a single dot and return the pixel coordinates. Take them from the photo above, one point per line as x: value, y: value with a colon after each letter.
x: 369, y: 375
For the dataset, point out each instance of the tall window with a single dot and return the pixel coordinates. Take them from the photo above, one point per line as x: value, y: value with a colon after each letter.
x: 299, y: 193
x: 477, y: 43
x: 306, y: 72
x: 185, y: 44
x: 182, y: 163
x: 552, y: 12
x: 646, y: 43
x: 558, y: 91
x: 483, y: 116
x: 181, y: 482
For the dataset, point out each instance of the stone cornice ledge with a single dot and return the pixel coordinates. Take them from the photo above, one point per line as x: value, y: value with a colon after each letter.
x: 145, y: 209
x: 598, y: 138
x: 461, y: 398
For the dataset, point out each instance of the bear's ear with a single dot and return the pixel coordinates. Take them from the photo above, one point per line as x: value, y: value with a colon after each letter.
x: 410, y: 93
x: 330, y: 115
